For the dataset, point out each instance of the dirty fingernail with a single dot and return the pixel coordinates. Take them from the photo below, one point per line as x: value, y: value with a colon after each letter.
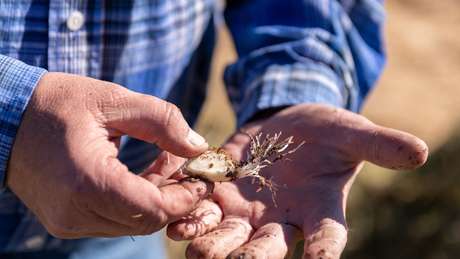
x: 199, y: 187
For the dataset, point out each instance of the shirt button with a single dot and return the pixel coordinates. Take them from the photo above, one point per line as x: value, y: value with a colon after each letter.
x: 35, y: 242
x: 75, y: 21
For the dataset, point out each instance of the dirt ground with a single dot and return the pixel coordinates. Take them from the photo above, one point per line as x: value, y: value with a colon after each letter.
x: 420, y: 88
x: 419, y: 91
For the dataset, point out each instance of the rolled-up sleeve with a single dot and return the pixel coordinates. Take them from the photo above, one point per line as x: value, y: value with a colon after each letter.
x: 17, y: 82
x: 301, y: 51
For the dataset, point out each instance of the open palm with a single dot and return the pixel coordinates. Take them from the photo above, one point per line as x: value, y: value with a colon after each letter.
x: 313, y: 186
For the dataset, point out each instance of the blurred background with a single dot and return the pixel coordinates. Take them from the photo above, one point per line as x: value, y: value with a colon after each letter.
x: 393, y: 214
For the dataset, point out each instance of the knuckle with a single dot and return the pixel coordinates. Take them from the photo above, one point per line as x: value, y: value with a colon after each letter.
x: 373, y: 146
x: 117, y: 95
x: 113, y: 104
x: 172, y: 114
x: 171, y: 123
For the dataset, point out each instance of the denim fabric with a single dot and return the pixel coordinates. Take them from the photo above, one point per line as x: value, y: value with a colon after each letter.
x: 145, y: 247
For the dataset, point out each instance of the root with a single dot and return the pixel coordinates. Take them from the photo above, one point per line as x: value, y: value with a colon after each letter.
x: 265, y: 152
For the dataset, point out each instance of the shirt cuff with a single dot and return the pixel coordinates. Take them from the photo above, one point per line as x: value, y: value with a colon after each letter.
x: 287, y: 85
x: 17, y: 83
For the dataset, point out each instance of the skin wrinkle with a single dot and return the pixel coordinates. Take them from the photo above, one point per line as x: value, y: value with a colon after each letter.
x: 97, y: 157
x: 172, y: 112
x: 373, y: 147
x: 115, y: 103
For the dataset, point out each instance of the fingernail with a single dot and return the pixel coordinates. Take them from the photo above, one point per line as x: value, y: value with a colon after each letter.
x: 195, y: 139
x: 202, y: 188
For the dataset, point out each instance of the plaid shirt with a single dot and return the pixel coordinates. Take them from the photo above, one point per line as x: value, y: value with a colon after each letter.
x: 290, y: 52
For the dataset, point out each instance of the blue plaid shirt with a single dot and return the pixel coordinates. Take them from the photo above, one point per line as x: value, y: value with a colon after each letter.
x: 290, y: 52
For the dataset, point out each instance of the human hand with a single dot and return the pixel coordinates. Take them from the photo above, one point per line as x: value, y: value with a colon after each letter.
x: 313, y: 187
x: 64, y: 164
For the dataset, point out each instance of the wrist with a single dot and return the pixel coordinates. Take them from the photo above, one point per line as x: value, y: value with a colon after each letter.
x: 266, y: 113
x: 17, y: 84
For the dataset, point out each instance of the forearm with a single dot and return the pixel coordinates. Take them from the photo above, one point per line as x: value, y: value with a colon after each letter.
x: 17, y: 83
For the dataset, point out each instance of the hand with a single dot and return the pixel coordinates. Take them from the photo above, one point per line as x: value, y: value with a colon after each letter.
x: 64, y: 164
x: 312, y: 192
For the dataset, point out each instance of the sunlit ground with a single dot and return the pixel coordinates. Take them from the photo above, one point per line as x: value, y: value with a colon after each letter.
x: 394, y: 214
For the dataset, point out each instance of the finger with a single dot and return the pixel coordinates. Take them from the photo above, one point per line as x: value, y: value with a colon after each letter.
x: 164, y: 166
x: 203, y: 219
x: 391, y: 148
x: 324, y: 228
x: 327, y: 239
x: 179, y: 199
x: 131, y: 200
x: 153, y: 120
x: 228, y: 236
x: 365, y: 140
x: 271, y: 241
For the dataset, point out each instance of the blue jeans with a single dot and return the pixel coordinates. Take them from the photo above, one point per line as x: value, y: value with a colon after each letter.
x: 142, y: 247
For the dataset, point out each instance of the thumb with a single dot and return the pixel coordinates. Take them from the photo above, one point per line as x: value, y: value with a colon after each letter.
x: 152, y: 120
x: 390, y: 148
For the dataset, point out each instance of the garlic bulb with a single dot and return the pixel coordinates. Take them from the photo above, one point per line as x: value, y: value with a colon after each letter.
x: 213, y: 165
x: 216, y: 165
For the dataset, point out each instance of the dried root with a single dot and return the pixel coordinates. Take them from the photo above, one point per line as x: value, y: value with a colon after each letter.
x: 216, y: 165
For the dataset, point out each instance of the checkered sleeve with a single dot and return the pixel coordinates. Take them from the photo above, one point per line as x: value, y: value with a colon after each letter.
x: 17, y: 82
x: 293, y: 52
